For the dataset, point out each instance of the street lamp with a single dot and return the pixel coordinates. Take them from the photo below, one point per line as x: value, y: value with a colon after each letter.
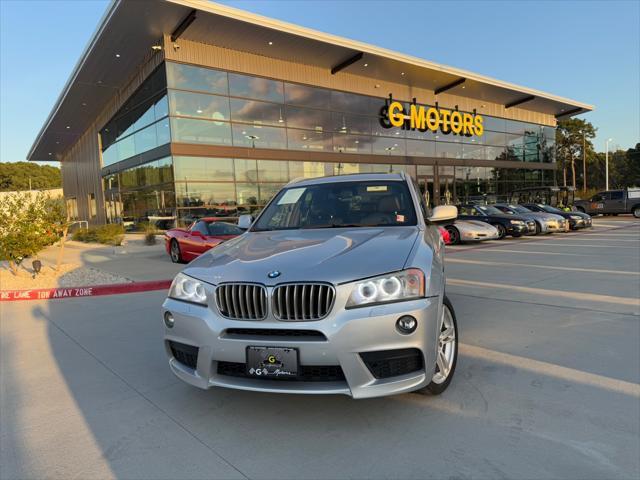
x: 606, y: 163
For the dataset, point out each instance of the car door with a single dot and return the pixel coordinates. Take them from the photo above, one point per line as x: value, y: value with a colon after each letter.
x: 194, y: 241
x: 614, y: 202
x: 596, y: 203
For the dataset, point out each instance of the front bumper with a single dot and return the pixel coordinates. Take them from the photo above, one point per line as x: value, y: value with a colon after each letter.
x: 519, y: 230
x: 554, y: 226
x: 471, y: 236
x: 342, y: 337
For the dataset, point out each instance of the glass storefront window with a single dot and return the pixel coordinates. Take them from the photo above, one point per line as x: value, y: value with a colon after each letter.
x: 388, y: 146
x: 267, y: 191
x: 309, y: 118
x: 195, y: 194
x: 351, y: 102
x: 421, y: 148
x: 163, y: 132
x: 203, y: 168
x: 309, y: 140
x: 351, y: 143
x: 306, y: 170
x: 273, y: 171
x: 254, y: 136
x: 188, y: 130
x: 246, y: 170
x: 188, y: 104
x: 145, y: 139
x: 257, y: 113
x: 247, y: 194
x: 306, y: 96
x: 448, y: 150
x: 256, y: 88
x: 494, y: 124
x: 350, y: 124
x: 188, y: 77
x: 473, y: 150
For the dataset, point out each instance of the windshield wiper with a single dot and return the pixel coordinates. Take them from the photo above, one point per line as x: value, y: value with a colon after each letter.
x: 341, y: 225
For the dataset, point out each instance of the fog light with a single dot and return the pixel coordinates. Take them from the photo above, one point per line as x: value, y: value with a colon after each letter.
x: 168, y: 319
x: 406, y: 324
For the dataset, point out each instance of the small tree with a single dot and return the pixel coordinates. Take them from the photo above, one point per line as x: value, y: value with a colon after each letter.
x: 25, y: 227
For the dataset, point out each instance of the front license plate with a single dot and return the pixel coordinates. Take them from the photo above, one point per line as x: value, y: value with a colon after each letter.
x: 272, y: 362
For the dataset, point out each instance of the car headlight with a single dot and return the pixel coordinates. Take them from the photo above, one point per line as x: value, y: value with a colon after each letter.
x: 188, y: 289
x: 516, y: 222
x: 392, y: 287
x: 576, y: 217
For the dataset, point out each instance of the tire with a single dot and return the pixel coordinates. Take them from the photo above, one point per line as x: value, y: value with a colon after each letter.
x: 538, y: 228
x: 454, y: 235
x: 636, y: 211
x: 439, y: 383
x: 174, y: 252
x: 502, y: 232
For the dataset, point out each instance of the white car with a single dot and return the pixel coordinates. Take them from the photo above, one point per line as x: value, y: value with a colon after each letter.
x: 471, y: 231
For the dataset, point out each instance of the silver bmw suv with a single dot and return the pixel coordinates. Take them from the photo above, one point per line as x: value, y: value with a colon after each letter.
x: 337, y: 287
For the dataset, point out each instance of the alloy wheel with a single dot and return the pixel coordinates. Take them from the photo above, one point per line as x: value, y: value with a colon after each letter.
x: 454, y: 235
x: 501, y: 231
x: 446, y: 347
x: 175, y: 252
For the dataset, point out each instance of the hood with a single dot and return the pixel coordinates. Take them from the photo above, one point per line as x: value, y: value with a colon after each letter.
x: 475, y: 226
x: 335, y: 255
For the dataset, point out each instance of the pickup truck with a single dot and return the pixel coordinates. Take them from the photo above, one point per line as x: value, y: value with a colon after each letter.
x: 612, y: 202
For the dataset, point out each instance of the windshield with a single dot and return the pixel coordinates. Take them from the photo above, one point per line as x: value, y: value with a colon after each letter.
x: 550, y: 209
x: 488, y: 210
x: 520, y: 209
x: 340, y: 204
x: 223, y: 228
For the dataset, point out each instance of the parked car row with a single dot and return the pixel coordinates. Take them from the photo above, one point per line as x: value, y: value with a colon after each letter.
x: 476, y: 223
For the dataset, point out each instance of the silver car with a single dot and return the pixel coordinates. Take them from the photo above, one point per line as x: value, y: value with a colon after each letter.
x: 336, y: 288
x: 545, y: 222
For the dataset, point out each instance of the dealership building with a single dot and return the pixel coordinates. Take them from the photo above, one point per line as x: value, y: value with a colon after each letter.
x: 179, y: 109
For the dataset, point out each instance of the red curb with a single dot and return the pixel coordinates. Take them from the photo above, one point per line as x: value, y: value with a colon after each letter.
x: 73, y: 292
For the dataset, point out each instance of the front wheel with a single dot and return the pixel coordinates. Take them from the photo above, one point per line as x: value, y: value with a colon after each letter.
x: 538, y: 228
x: 454, y: 235
x: 174, y: 251
x: 502, y: 232
x: 447, y: 352
x: 636, y: 212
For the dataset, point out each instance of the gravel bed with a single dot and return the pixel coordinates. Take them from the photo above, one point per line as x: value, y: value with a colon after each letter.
x: 69, y: 275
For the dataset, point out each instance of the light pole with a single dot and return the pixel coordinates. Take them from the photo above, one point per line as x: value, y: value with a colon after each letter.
x: 606, y: 163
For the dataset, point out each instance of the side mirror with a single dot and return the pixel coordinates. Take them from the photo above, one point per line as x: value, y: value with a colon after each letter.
x: 443, y: 213
x: 245, y: 221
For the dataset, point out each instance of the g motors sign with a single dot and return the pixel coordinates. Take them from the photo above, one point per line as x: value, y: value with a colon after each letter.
x: 418, y: 117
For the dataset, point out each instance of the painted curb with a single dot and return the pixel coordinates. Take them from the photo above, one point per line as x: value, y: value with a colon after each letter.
x: 75, y: 292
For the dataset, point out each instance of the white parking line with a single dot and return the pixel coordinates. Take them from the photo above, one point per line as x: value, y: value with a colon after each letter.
x: 552, y: 370
x: 520, y: 252
x: 588, y: 245
x: 549, y: 267
x: 592, y: 297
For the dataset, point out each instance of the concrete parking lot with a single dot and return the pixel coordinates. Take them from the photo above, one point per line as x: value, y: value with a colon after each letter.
x: 547, y: 384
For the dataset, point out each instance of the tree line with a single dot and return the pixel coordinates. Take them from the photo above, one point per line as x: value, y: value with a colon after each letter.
x: 20, y: 176
x: 574, y: 142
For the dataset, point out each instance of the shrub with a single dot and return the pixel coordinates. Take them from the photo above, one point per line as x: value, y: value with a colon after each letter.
x: 150, y: 232
x: 110, y: 234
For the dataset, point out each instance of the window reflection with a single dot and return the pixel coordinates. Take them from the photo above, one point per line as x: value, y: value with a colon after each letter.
x: 256, y: 87
x: 306, y: 96
x: 350, y: 102
x: 309, y: 140
x: 389, y: 146
x: 350, y: 124
x: 203, y: 168
x: 309, y: 118
x: 189, y: 104
x: 306, y: 170
x: 188, y: 77
x: 273, y: 171
x: 258, y: 113
x: 259, y: 137
x: 246, y: 170
x: 420, y: 148
x: 351, y: 143
x: 187, y: 130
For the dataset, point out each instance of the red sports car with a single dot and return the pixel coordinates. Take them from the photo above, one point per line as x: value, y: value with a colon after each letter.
x: 446, y: 238
x: 185, y: 244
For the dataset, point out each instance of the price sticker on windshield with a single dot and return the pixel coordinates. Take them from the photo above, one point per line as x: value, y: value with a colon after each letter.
x: 377, y: 188
x: 291, y: 196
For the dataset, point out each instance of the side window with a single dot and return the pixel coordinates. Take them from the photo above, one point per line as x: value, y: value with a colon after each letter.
x: 598, y: 197
x: 474, y: 211
x: 201, y: 227
x: 616, y: 195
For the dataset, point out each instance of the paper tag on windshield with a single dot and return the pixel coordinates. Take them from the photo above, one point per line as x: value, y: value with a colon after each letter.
x: 377, y: 188
x: 291, y: 196
x: 399, y: 218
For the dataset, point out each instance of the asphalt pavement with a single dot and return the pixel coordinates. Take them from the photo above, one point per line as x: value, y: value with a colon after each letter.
x: 547, y: 384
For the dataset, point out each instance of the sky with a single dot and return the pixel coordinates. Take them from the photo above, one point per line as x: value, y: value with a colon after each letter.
x: 588, y: 51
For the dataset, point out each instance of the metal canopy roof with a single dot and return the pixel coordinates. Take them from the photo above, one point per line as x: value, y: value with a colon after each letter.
x: 129, y: 28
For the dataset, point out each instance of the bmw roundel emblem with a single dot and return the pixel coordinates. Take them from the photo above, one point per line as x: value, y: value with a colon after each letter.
x: 273, y: 274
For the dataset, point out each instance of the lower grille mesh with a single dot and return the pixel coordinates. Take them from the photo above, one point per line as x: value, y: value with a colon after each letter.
x: 306, y: 373
x: 391, y: 363
x: 185, y: 354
